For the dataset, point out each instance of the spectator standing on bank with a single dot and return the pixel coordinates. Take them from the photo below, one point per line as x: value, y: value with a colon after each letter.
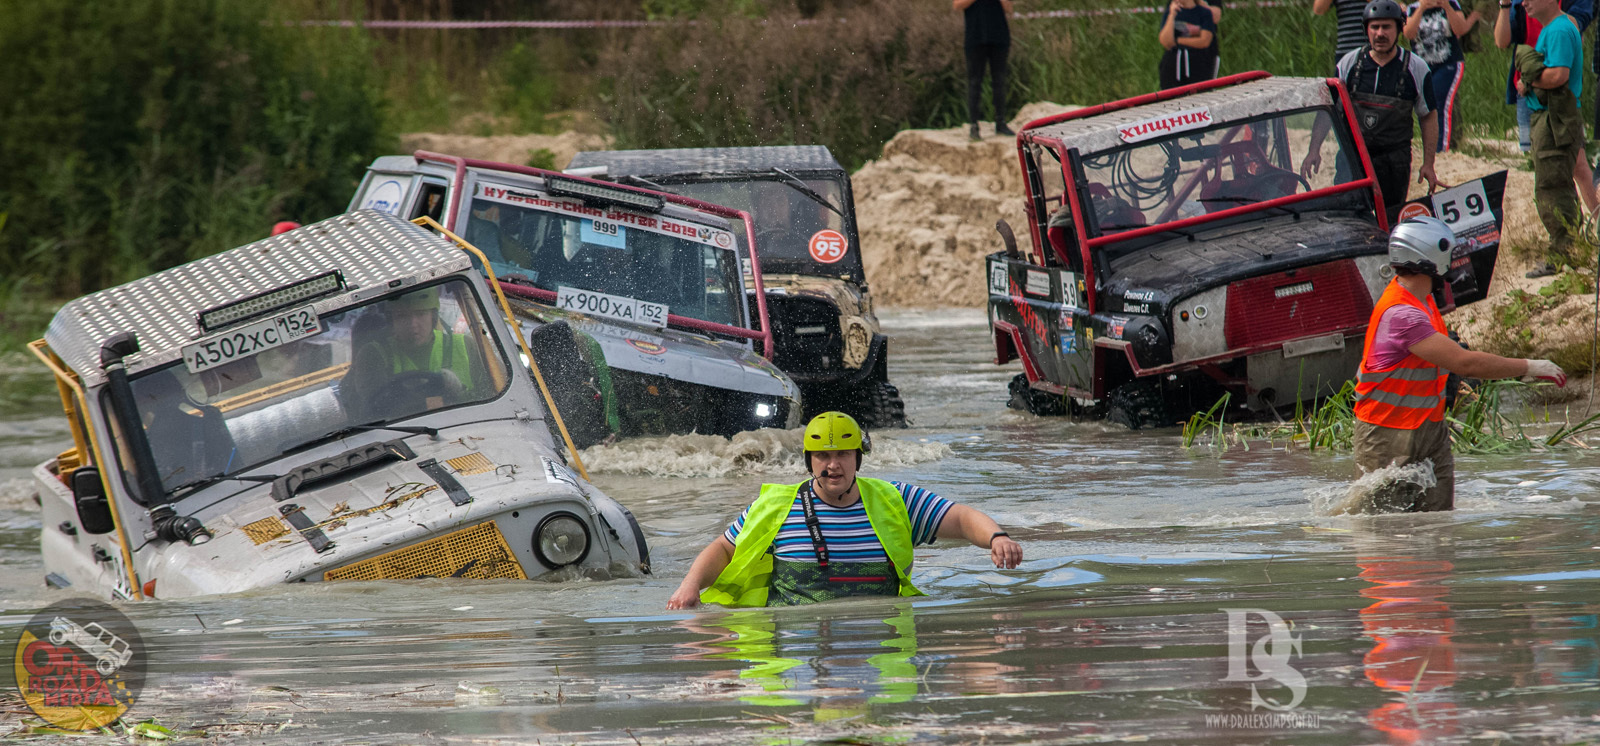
x: 1187, y: 34
x: 1514, y: 26
x: 1352, y: 34
x: 1435, y: 28
x: 1551, y: 81
x: 988, y: 42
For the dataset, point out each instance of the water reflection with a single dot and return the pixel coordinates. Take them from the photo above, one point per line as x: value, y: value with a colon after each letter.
x: 1412, y: 655
x: 824, y: 660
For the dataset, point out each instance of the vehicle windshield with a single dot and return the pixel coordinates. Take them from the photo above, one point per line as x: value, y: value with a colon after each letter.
x: 552, y: 242
x: 793, y: 232
x: 1206, y: 171
x: 383, y: 362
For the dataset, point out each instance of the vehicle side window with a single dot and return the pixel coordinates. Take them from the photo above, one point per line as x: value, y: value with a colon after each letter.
x: 430, y: 201
x: 1060, y: 231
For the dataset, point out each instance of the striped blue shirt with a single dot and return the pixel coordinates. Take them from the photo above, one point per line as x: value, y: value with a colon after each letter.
x: 847, y: 531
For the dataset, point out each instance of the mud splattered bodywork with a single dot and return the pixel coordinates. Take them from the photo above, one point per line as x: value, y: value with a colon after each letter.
x: 1215, y: 238
x: 338, y: 402
x: 826, y: 334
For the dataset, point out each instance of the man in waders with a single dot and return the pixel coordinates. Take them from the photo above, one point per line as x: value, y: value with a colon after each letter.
x: 1400, y: 388
x: 834, y: 535
x: 1387, y: 84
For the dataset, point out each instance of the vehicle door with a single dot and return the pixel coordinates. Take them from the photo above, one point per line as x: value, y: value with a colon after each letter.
x: 1061, y: 256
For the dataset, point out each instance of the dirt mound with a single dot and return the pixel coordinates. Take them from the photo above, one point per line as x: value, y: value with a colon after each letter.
x: 545, y: 151
x: 928, y: 207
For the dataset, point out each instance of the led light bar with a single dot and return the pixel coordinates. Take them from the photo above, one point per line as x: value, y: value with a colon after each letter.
x: 262, y: 304
x: 1295, y: 289
x: 605, y: 194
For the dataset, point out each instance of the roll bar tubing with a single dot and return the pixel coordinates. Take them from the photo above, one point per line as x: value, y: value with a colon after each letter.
x: 764, y: 335
x: 1085, y: 246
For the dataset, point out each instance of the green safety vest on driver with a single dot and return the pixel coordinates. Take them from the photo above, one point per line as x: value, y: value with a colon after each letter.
x: 744, y: 582
x: 456, y: 361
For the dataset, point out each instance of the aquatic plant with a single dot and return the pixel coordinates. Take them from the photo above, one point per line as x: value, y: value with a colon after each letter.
x: 1480, y: 422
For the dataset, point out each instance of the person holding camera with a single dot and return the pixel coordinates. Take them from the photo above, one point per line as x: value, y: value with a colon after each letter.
x: 1187, y: 34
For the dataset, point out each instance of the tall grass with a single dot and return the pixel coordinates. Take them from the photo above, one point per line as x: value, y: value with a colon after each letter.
x: 142, y: 134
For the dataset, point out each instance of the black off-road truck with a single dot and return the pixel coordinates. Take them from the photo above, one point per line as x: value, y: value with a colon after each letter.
x: 1221, y: 237
x: 827, y: 335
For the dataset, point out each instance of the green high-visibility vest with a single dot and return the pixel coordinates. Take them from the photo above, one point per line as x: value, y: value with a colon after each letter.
x: 744, y: 581
x: 448, y: 352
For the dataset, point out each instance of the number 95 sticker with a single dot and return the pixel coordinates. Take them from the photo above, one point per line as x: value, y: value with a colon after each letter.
x: 1464, y: 208
x: 827, y: 246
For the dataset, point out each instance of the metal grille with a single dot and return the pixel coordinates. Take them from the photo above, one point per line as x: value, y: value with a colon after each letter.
x: 472, y: 463
x: 265, y: 530
x: 369, y: 248
x: 1259, y: 314
x: 708, y: 160
x: 478, y: 552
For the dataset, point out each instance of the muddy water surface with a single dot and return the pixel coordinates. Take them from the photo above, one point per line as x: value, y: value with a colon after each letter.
x: 1477, y: 626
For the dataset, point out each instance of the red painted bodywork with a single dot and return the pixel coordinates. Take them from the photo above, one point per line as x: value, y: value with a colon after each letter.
x: 764, y: 335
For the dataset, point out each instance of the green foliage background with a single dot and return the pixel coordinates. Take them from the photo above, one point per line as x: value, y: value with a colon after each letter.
x: 141, y: 134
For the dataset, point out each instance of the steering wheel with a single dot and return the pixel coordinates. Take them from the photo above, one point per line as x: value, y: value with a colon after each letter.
x: 406, y: 392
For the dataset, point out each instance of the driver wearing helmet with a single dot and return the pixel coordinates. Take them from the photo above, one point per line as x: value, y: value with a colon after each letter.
x: 834, y: 535
x: 416, y: 342
x: 1400, y: 388
x: 1387, y: 85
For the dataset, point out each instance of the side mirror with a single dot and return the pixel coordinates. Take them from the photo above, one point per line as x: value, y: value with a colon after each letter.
x: 94, y: 510
x: 1007, y: 237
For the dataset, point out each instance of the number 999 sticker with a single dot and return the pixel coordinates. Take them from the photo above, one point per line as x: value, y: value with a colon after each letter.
x: 1464, y: 208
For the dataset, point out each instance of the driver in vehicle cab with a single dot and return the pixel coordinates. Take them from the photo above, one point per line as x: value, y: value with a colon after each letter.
x: 417, y: 342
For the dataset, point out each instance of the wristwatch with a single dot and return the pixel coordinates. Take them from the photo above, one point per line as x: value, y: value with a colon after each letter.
x: 997, y: 535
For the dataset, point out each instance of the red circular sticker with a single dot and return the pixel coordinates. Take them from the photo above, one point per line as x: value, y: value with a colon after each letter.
x: 1415, y: 210
x: 827, y: 246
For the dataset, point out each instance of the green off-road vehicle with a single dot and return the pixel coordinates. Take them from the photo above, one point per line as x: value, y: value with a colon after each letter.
x: 827, y: 335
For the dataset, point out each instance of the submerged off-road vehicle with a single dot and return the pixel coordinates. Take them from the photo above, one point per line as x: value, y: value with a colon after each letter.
x: 1188, y: 243
x: 339, y: 402
x: 634, y: 300
x: 827, y: 335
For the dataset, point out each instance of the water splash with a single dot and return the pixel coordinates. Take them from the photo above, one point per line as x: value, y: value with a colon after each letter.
x: 767, y: 451
x: 1385, y: 490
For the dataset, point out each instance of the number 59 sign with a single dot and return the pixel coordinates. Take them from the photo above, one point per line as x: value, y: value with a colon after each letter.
x: 1464, y: 208
x: 827, y: 246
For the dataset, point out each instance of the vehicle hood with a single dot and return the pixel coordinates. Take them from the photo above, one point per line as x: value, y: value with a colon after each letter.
x: 499, y: 463
x: 685, y: 356
x: 1183, y: 266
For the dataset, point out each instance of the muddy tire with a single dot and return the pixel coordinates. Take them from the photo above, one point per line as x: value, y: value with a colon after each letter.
x: 1138, y: 404
x: 884, y: 407
x: 1032, y: 400
x: 572, y: 384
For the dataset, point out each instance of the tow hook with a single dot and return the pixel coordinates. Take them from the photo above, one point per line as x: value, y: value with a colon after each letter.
x: 171, y: 527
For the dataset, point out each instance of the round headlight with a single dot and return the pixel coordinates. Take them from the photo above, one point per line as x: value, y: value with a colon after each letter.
x: 561, y: 539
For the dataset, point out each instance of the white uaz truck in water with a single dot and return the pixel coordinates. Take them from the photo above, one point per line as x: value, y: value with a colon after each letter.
x: 340, y: 402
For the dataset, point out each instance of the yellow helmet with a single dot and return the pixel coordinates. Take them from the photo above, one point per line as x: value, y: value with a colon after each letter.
x: 836, y: 431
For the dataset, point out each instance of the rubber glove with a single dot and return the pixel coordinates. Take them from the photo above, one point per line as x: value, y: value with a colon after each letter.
x: 1544, y: 370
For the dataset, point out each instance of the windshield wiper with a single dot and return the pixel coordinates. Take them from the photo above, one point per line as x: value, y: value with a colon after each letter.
x: 193, y: 487
x: 796, y: 184
x: 642, y: 181
x: 369, y: 427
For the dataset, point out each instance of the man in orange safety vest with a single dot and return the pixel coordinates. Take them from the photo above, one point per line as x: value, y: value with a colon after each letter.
x: 1400, y: 389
